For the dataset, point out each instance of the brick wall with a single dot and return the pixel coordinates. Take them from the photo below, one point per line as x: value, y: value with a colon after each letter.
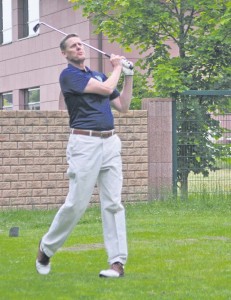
x: 33, y: 158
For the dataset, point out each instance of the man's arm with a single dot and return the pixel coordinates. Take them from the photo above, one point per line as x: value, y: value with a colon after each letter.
x: 122, y: 103
x: 107, y: 87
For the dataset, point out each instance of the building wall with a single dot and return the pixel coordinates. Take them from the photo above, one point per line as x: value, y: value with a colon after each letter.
x: 33, y: 158
x: 37, y: 61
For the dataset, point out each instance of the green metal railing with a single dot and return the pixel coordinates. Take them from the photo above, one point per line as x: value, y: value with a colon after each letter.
x: 202, y: 143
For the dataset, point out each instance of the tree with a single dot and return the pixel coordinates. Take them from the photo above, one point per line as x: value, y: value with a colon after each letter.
x: 201, y: 32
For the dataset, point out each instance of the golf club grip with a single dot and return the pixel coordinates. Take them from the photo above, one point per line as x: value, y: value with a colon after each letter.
x: 126, y: 63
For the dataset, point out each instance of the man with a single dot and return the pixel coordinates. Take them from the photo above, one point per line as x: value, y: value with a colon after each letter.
x: 93, y: 155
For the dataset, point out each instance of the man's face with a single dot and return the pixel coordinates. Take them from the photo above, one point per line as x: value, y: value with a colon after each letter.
x: 74, y: 51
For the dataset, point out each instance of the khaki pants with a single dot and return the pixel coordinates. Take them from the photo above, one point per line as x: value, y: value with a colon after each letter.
x: 91, y: 160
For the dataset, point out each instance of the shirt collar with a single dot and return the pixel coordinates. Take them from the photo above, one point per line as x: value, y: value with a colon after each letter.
x: 73, y: 67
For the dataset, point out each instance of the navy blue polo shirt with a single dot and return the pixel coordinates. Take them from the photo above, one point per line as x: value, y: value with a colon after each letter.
x: 86, y: 111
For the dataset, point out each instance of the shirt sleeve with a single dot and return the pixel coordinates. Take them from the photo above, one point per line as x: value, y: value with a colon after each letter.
x: 73, y: 82
x: 114, y: 95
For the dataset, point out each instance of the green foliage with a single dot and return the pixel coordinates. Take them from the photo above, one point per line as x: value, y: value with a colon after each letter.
x: 228, y: 107
x: 199, y: 32
x: 168, y: 80
x: 199, y: 29
x: 198, y: 133
x: 140, y: 90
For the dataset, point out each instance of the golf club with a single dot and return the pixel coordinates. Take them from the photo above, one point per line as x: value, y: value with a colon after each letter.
x: 126, y: 63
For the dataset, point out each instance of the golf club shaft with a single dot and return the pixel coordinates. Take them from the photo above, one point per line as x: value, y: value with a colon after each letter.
x: 66, y: 35
x: 36, y: 27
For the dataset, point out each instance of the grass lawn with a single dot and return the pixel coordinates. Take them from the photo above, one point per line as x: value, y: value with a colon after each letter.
x: 177, y: 250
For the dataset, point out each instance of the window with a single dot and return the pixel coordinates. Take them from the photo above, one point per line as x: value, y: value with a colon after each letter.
x: 5, y: 21
x: 6, y: 101
x: 28, y: 16
x: 32, y: 99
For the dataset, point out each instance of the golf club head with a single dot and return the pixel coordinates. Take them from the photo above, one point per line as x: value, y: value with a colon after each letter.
x: 36, y: 27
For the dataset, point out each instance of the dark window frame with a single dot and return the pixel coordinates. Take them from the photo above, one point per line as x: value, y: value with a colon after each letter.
x: 2, y: 42
x: 31, y: 105
x: 9, y: 107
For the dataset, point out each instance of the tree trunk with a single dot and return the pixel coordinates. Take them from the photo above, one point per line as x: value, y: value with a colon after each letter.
x: 184, y: 185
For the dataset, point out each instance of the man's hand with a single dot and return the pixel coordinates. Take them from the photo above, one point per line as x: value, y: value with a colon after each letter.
x: 128, y: 72
x: 116, y: 60
x: 127, y: 68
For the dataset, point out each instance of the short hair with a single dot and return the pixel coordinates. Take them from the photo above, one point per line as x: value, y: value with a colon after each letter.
x: 62, y: 44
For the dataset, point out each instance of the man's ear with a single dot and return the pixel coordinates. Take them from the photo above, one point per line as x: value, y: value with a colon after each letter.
x: 64, y: 54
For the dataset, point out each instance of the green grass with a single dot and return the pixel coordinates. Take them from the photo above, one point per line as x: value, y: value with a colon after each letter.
x: 177, y: 250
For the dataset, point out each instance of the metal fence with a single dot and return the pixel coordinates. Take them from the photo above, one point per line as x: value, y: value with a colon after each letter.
x: 202, y: 143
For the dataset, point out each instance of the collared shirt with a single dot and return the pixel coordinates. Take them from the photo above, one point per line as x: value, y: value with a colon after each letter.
x: 86, y: 111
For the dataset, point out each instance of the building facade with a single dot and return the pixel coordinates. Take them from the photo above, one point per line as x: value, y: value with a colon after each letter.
x: 30, y: 63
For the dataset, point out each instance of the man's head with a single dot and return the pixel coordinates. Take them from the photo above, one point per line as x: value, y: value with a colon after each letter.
x: 73, y: 49
x: 63, y: 41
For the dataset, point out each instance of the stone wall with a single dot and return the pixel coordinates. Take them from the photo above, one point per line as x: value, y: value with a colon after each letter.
x: 33, y: 158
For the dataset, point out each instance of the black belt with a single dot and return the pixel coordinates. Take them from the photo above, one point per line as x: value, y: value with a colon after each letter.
x: 102, y: 134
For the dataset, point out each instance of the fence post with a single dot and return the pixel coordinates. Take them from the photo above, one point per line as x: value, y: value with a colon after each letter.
x: 160, y: 142
x: 174, y: 148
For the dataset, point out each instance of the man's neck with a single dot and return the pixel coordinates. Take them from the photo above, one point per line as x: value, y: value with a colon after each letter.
x: 79, y: 65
